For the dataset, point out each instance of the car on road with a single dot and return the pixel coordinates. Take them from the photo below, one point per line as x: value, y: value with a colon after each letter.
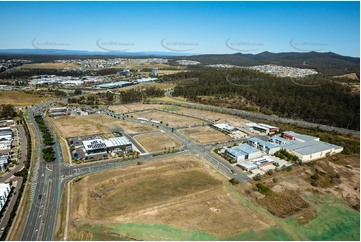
x: 40, y: 196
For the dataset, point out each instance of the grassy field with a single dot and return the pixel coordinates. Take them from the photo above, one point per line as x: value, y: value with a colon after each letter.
x: 172, y: 120
x: 50, y: 66
x: 72, y: 126
x: 20, y: 99
x: 169, y: 199
x: 156, y: 141
x: 205, y: 135
x: 132, y: 107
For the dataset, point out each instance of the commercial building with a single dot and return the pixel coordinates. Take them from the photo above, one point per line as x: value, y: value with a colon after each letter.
x: 290, y: 135
x: 58, y: 111
x: 305, y: 147
x: 113, y: 85
x: 278, y: 140
x: 224, y: 127
x: 5, y: 144
x: 265, y: 146
x: 103, y: 146
x: 3, y: 163
x: 144, y: 80
x: 243, y: 152
x: 312, y: 150
x: 4, y: 123
x: 247, y: 165
x: 5, y: 190
x: 6, y: 134
x: 264, y: 128
x: 155, y: 72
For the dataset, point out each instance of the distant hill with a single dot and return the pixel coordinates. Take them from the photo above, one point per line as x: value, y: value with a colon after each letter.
x: 327, y: 63
x: 52, y: 54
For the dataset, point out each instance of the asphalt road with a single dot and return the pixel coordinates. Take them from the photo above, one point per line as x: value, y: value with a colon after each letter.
x: 45, y: 199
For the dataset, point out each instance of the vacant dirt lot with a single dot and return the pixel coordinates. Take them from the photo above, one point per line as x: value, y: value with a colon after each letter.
x: 205, y: 135
x: 175, y: 192
x: 71, y: 126
x: 20, y: 99
x: 213, y: 116
x: 132, y: 107
x: 172, y: 120
x: 156, y: 141
x: 50, y: 66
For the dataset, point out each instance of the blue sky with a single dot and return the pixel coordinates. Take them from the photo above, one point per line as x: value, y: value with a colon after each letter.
x: 188, y: 27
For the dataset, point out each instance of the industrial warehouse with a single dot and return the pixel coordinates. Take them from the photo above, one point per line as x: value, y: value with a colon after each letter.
x: 58, y: 111
x: 257, y: 155
x: 307, y: 148
x: 84, y: 148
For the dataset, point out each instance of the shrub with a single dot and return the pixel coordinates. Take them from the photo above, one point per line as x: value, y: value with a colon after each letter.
x: 234, y: 181
x: 257, y: 177
x: 264, y: 189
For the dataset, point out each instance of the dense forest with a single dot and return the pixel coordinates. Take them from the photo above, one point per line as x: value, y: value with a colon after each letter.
x: 315, y: 99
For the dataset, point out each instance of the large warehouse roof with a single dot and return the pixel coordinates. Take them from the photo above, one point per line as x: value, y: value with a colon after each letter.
x: 263, y: 143
x: 303, y: 137
x: 117, y: 141
x: 243, y: 149
x: 310, y: 147
x: 94, y: 144
x: 99, y: 143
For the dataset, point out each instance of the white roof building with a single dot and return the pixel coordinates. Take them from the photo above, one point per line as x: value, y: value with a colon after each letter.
x: 225, y: 127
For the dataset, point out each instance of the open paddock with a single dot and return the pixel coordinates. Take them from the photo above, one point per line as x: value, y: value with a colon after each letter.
x: 72, y: 126
x: 177, y: 194
x: 50, y: 66
x: 173, y: 120
x: 21, y: 99
x: 156, y: 141
x: 132, y: 107
x: 205, y: 135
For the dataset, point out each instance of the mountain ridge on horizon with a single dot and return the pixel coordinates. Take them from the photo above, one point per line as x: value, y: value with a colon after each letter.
x: 328, y: 63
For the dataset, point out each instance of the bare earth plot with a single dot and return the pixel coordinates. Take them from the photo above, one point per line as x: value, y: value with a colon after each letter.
x: 172, y: 120
x: 72, y: 126
x: 132, y: 107
x: 156, y: 141
x: 205, y: 135
x: 214, y: 116
x: 170, y: 199
x: 20, y: 99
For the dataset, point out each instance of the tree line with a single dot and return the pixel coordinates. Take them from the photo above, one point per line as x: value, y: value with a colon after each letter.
x: 315, y: 99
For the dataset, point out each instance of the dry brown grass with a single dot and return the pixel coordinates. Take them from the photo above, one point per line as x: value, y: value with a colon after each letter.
x: 72, y: 126
x: 132, y: 107
x: 205, y: 135
x: 177, y: 192
x: 156, y: 141
x: 214, y: 116
x: 283, y: 204
x: 50, y: 65
x: 172, y: 120
x: 20, y: 99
